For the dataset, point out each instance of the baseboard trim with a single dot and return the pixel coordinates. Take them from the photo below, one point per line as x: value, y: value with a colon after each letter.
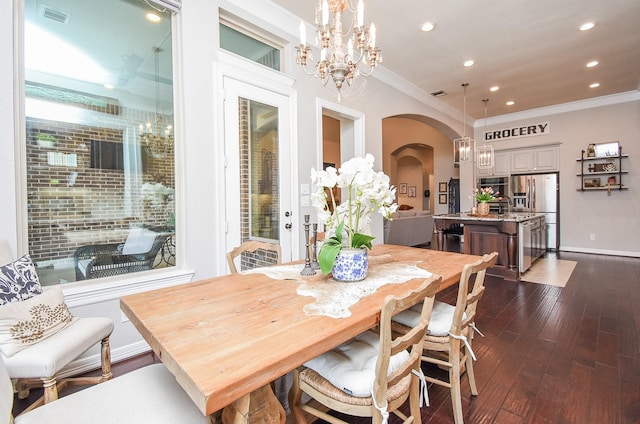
x: 600, y: 251
x: 92, y: 362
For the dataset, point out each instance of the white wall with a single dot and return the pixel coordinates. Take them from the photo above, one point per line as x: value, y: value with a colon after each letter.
x: 615, y: 218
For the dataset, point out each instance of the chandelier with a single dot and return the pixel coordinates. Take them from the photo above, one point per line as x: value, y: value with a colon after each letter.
x: 463, y: 148
x: 339, y: 63
x: 484, y: 153
x: 156, y: 141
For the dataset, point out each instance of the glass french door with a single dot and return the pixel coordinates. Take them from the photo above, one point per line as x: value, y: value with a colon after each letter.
x: 258, y: 172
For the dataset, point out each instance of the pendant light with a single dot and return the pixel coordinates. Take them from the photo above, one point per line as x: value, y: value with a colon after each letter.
x: 463, y: 147
x: 484, y: 153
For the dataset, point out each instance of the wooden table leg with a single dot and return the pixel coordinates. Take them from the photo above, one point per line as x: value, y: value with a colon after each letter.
x: 259, y: 406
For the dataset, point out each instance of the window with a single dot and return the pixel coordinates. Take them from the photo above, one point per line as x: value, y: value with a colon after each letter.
x: 100, y: 152
x: 249, y: 47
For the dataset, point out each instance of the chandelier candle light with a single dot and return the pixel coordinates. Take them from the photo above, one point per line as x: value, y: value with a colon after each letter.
x: 343, y: 66
x: 344, y: 252
x: 155, y: 142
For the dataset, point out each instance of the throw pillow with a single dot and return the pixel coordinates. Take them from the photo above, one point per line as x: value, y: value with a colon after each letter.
x: 351, y: 366
x: 30, y: 321
x: 139, y: 241
x: 18, y: 281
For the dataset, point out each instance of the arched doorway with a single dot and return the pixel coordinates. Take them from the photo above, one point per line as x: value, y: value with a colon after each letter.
x: 415, y: 142
x: 413, y: 166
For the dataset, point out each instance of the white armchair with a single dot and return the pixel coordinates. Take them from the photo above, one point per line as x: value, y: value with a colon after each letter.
x: 39, y: 337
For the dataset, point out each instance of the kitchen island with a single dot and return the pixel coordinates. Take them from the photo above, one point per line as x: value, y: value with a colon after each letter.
x: 508, y: 234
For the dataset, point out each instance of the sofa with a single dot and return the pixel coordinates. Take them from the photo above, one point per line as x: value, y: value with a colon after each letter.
x: 409, y: 228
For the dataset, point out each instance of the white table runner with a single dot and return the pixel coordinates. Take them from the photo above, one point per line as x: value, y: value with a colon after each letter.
x: 333, y: 298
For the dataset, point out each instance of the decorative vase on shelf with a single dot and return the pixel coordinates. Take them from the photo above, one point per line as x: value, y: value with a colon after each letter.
x: 483, y: 208
x: 350, y: 265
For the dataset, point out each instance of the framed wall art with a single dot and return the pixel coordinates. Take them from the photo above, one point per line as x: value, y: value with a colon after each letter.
x: 442, y: 199
x: 402, y: 188
x: 411, y: 191
x: 442, y: 187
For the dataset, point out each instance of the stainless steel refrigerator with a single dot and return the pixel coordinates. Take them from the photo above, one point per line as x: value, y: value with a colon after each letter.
x: 539, y: 193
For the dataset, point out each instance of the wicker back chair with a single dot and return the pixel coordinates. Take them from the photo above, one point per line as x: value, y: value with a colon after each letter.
x: 373, y: 374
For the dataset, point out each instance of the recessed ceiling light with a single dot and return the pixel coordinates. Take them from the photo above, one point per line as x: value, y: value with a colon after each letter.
x: 511, y: 103
x: 587, y: 26
x: 468, y: 63
x: 108, y: 86
x: 594, y: 85
x: 428, y: 26
x: 152, y: 17
x: 494, y: 88
x: 592, y: 64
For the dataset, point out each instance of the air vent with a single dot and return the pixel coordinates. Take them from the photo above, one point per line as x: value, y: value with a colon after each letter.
x: 55, y: 15
x: 439, y: 93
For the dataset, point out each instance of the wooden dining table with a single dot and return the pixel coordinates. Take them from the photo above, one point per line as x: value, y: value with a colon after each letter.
x: 226, y: 338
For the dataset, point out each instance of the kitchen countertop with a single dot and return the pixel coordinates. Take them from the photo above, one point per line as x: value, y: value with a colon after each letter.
x: 511, y: 216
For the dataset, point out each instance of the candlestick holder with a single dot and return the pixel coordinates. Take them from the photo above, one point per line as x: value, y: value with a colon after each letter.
x: 307, y: 270
x: 314, y: 260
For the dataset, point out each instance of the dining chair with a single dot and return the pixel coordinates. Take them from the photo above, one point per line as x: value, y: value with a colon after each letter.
x: 33, y: 357
x: 448, y: 338
x: 145, y: 395
x: 262, y: 250
x: 373, y: 374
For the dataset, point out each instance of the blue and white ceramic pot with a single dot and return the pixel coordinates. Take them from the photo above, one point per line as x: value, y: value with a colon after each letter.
x: 351, y: 265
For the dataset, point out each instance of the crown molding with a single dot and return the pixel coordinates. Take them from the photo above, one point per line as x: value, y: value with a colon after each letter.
x: 629, y: 96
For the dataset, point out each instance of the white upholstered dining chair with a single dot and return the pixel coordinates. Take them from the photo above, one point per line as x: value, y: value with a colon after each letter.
x: 35, y: 358
x: 448, y: 339
x: 373, y: 374
x: 146, y: 395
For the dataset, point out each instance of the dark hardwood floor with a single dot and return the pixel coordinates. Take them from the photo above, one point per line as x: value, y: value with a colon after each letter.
x: 550, y: 354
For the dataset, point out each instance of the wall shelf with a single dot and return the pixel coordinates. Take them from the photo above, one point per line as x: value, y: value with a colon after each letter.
x: 609, y: 167
x: 612, y: 187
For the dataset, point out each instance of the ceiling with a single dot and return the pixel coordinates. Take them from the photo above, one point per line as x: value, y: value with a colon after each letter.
x: 531, y: 49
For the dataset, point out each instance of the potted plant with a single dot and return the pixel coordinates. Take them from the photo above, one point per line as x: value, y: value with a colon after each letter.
x: 46, y: 140
x: 483, y: 196
x: 344, y: 251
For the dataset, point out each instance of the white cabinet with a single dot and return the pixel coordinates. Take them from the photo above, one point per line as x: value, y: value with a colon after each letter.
x: 500, y: 166
x: 501, y: 163
x: 545, y: 159
x: 541, y: 159
x: 522, y: 161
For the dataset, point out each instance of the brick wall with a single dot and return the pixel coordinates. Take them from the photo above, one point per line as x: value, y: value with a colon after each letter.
x: 71, y: 204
